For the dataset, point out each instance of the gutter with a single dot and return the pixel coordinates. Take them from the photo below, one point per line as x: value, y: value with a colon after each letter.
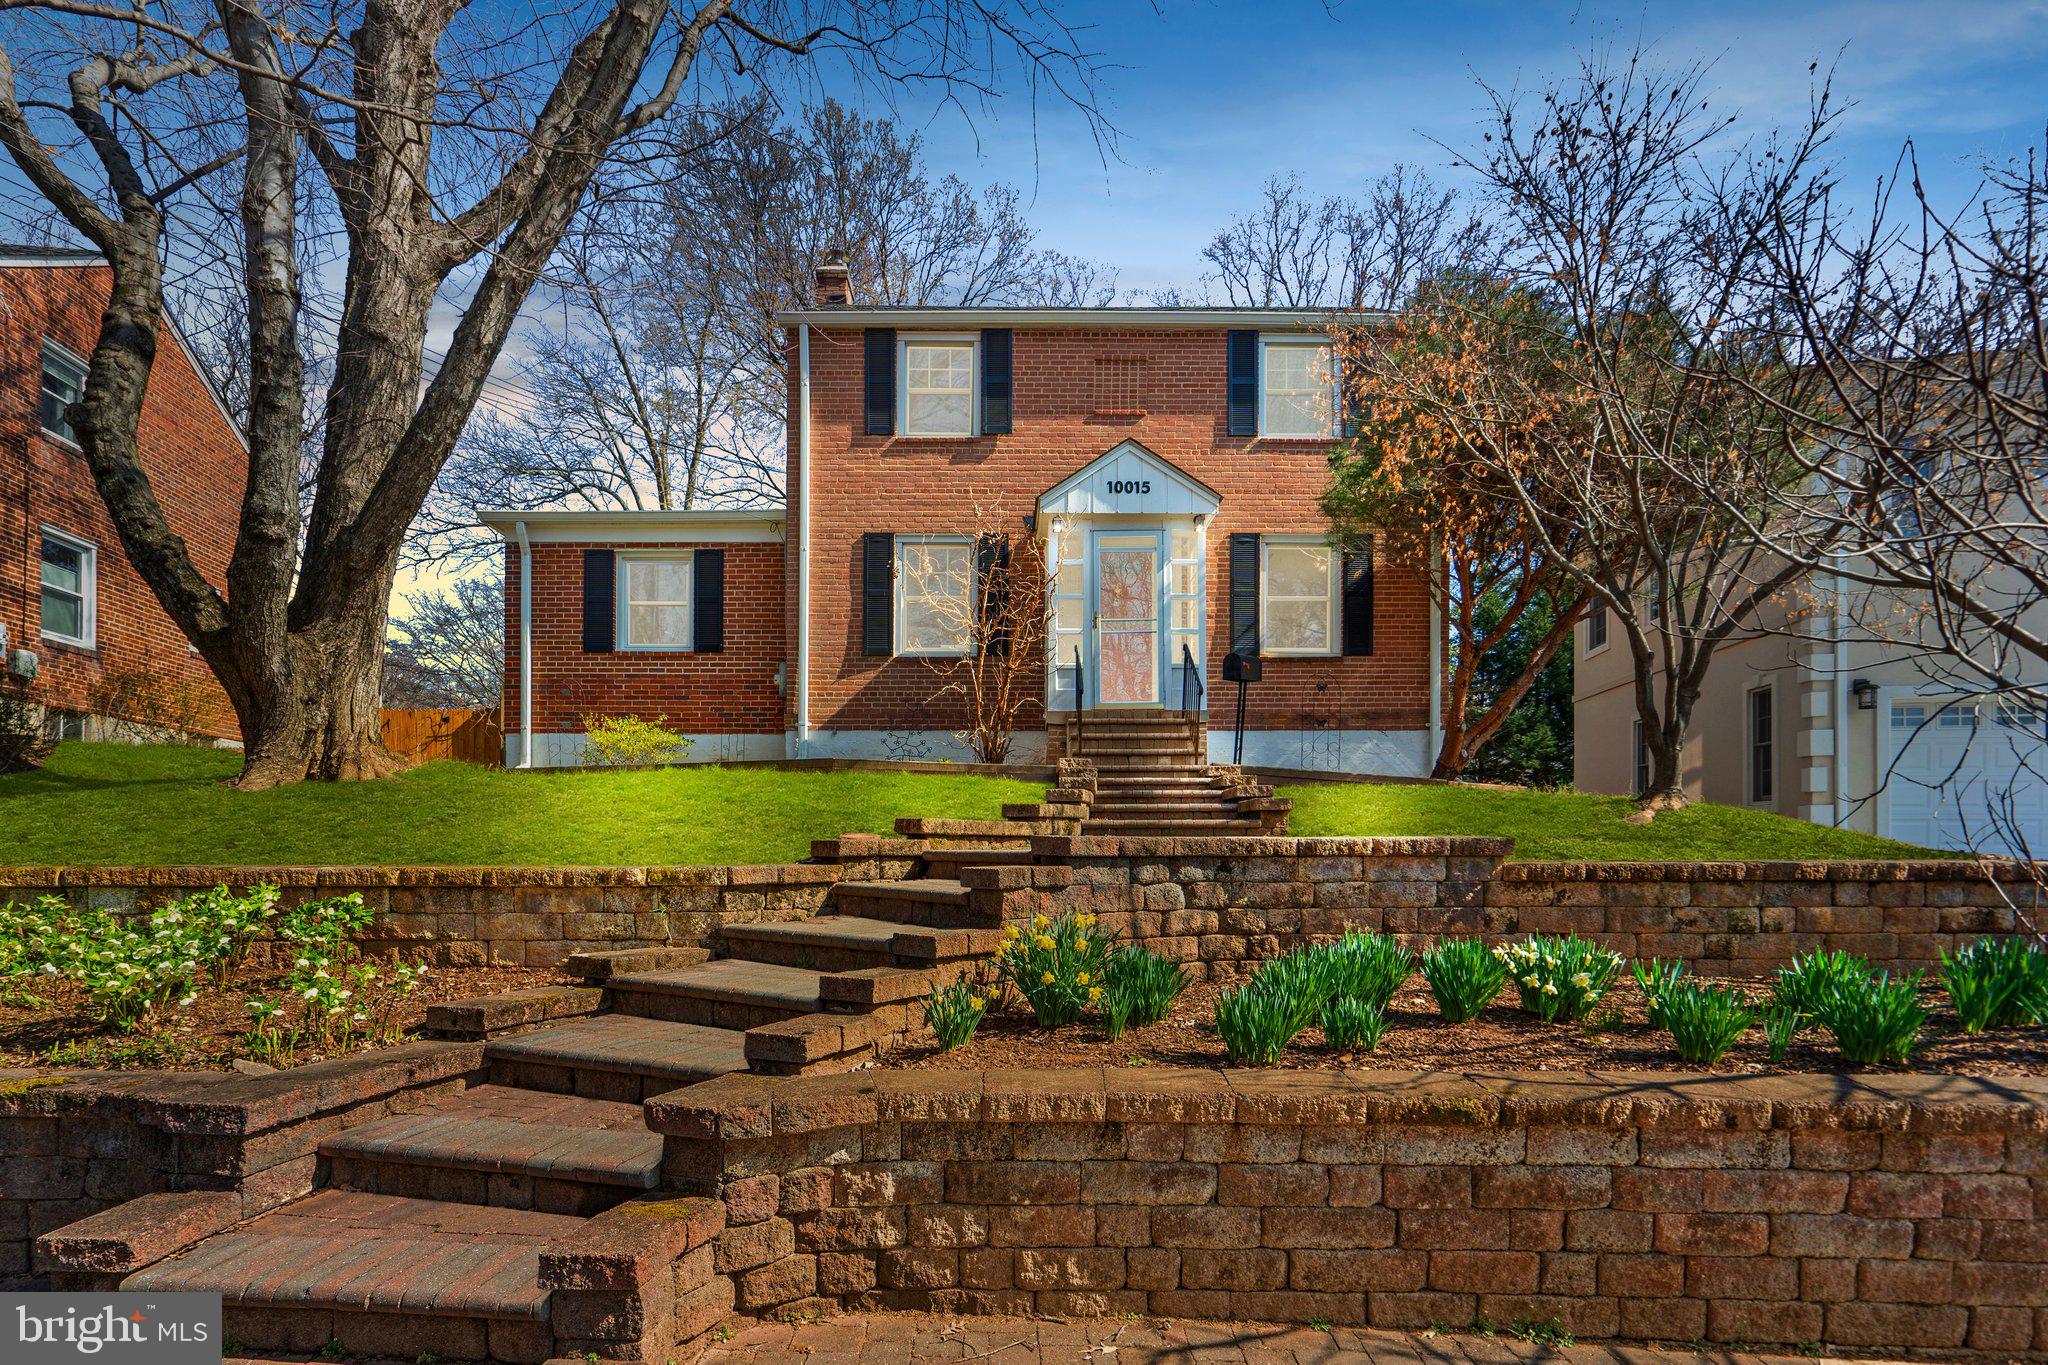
x: 803, y: 542
x: 525, y: 647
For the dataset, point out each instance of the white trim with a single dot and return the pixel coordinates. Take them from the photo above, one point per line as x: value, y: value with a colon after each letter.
x: 1589, y: 649
x: 904, y: 341
x: 1319, y: 320
x: 803, y: 545
x: 623, y: 602
x: 525, y: 647
x: 1334, y: 428
x: 1333, y: 624
x: 88, y: 589
x: 1087, y: 491
x: 700, y: 527
x: 77, y: 362
x: 898, y: 579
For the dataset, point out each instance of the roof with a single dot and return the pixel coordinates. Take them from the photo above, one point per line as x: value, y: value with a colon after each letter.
x: 18, y: 253
x: 1129, y: 479
x: 1121, y: 319
x: 556, y: 526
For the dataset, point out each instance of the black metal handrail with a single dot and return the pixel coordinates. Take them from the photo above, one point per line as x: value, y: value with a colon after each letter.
x: 1189, y: 673
x: 1080, y: 684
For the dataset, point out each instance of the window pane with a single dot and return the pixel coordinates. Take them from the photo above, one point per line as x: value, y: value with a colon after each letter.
x: 63, y: 566
x: 1297, y: 570
x: 1298, y: 385
x: 1072, y: 580
x: 63, y: 615
x: 934, y: 582
x: 657, y: 580
x: 1297, y: 626
x: 657, y: 625
x: 1070, y: 614
x: 1186, y: 544
x: 939, y: 412
x: 1186, y: 613
x: 1187, y: 579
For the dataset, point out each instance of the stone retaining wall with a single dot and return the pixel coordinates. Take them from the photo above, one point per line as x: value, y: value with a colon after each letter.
x: 1872, y: 1213
x: 1223, y: 905
x: 73, y: 1143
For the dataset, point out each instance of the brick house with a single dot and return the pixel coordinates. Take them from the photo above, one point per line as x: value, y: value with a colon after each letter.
x: 1169, y: 461
x: 75, y: 616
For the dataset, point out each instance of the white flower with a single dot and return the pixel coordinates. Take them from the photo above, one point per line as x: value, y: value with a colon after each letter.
x: 309, y: 993
x: 1531, y: 981
x: 1549, y: 988
x: 1582, y: 981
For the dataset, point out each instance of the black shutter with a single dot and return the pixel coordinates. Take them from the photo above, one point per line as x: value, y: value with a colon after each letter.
x: 1244, y: 595
x: 991, y: 558
x: 879, y: 381
x: 995, y: 381
x: 707, y: 602
x: 1244, y: 383
x: 1358, y: 597
x: 878, y: 594
x: 600, y: 600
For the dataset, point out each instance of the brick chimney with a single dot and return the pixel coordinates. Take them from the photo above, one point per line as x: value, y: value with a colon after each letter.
x: 833, y: 288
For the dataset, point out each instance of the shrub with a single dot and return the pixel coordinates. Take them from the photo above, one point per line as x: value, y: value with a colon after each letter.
x: 1464, y: 977
x: 1812, y: 983
x: 1257, y: 1020
x: 1057, y: 966
x: 1996, y: 982
x: 1139, y: 987
x: 629, y: 741
x: 1878, y: 1020
x: 23, y: 745
x: 1367, y: 967
x: 954, y: 1012
x: 1704, y: 1020
x: 1782, y: 1024
x: 1560, y: 978
x: 1656, y: 978
x: 1353, y: 1025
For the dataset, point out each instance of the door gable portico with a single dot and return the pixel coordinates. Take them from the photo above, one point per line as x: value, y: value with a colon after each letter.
x: 1127, y: 480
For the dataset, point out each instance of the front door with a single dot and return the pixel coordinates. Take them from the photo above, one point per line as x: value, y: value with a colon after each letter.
x: 1127, y: 566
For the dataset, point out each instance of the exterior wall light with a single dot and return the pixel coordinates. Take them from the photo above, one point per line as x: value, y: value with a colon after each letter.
x: 1865, y: 692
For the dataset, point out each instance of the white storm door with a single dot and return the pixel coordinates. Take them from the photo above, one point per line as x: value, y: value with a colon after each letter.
x: 1127, y: 634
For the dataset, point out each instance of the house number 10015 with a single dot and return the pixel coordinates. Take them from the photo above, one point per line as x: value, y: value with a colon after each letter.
x: 1117, y: 486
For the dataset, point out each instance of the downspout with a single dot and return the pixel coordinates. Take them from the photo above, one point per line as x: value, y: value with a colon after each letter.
x: 1839, y: 710
x: 1436, y: 675
x: 525, y: 647
x: 803, y: 540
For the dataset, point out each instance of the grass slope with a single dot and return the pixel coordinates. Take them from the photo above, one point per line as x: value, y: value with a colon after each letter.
x: 118, y: 804
x: 1565, y: 826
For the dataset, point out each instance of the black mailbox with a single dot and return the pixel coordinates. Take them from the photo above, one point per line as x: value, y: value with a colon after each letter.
x: 1240, y: 668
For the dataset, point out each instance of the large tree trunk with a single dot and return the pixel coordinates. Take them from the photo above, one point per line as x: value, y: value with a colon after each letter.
x: 322, y: 721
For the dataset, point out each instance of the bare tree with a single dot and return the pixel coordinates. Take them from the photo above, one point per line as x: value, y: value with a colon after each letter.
x: 447, y: 647
x: 1649, y: 245
x: 455, y: 150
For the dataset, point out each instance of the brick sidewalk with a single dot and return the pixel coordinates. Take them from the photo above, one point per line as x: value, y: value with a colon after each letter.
x: 891, y: 1338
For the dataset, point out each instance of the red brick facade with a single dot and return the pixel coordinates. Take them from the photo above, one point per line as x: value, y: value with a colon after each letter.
x: 196, y: 465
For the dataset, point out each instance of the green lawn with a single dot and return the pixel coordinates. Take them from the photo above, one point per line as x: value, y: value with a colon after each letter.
x: 1564, y: 826
x: 130, y: 804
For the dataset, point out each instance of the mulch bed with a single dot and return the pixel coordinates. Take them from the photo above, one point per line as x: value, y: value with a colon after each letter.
x: 1617, y: 1037
x: 58, y: 1029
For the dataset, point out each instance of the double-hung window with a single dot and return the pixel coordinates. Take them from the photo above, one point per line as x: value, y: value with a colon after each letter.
x: 1297, y: 388
x: 934, y: 595
x: 1596, y: 630
x: 1298, y: 597
x: 63, y: 385
x: 70, y: 572
x: 937, y: 397
x: 1762, y: 745
x: 655, y: 602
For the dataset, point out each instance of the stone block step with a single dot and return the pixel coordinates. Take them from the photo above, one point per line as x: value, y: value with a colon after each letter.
x: 1186, y: 828
x: 378, y: 1275
x: 503, y: 1147
x: 1164, y: 803
x: 729, y: 993
x: 836, y: 943
x: 955, y: 858
x: 615, y: 1057
x: 935, y: 902
x: 600, y: 966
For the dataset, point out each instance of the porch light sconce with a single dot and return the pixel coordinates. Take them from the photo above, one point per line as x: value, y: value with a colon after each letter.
x: 1201, y: 521
x: 1865, y: 692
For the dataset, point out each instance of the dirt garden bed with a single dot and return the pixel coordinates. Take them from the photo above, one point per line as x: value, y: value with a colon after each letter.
x: 1617, y: 1037
x: 46, y: 1021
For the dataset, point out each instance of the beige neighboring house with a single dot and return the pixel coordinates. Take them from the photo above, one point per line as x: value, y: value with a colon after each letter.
x: 1829, y: 722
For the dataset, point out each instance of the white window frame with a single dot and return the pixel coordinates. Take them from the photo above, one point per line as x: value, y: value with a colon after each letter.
x: 1334, y: 624
x: 621, y: 611
x: 904, y: 343
x: 1266, y: 433
x: 1752, y: 742
x: 64, y: 355
x: 88, y: 587
x: 896, y: 613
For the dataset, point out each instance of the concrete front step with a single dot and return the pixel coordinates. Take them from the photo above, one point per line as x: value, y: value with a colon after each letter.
x: 615, y: 1057
x: 838, y: 943
x: 378, y: 1275
x: 729, y: 993
x: 504, y: 1147
x: 935, y: 902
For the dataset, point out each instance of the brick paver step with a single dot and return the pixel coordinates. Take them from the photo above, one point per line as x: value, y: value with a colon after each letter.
x: 955, y: 858
x: 343, y: 1249
x: 941, y: 890
x: 729, y: 993
x: 660, y: 1053
x: 1191, y: 828
x: 879, y: 942
x: 498, y: 1130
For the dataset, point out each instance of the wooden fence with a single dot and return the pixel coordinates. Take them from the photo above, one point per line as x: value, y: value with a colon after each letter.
x: 422, y: 735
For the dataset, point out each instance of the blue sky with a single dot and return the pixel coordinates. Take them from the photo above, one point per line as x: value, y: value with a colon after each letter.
x: 1212, y: 98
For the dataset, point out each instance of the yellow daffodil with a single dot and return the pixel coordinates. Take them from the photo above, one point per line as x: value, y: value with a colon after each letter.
x: 1095, y: 993
x: 1045, y: 979
x: 1080, y: 945
x: 976, y: 1002
x: 1044, y: 941
x: 1085, y: 921
x: 1010, y: 931
x: 1081, y: 977
x: 1039, y: 921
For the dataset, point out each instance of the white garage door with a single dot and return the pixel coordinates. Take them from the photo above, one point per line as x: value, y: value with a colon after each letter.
x: 1954, y: 765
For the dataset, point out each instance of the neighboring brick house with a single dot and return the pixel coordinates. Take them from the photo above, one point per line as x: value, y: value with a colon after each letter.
x: 1170, y: 461
x: 76, y: 616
